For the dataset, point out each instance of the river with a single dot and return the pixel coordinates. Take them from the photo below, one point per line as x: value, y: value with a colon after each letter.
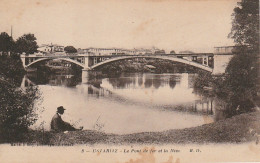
x: 128, y: 103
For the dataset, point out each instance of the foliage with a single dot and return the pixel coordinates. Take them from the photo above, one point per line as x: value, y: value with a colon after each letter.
x: 70, y: 49
x: 159, y: 52
x: 11, y: 67
x: 239, y: 86
x: 17, y: 106
x: 17, y: 111
x: 26, y: 43
x: 241, y: 73
x: 245, y: 24
x: 204, y: 79
x: 172, y: 52
x: 6, y: 42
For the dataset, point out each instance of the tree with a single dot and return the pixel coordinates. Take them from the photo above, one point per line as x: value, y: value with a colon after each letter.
x: 70, y: 49
x: 159, y: 52
x: 241, y: 83
x: 12, y: 68
x: 172, y: 52
x: 245, y: 24
x: 239, y: 87
x: 6, y: 42
x: 26, y: 43
x: 17, y: 106
x: 18, y: 110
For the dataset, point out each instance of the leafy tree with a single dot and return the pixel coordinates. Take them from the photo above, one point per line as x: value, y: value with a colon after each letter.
x: 172, y: 52
x: 6, y: 42
x: 245, y: 24
x: 11, y: 67
x: 17, y: 111
x: 70, y: 49
x: 238, y: 87
x: 17, y: 106
x: 204, y: 79
x: 241, y: 83
x: 26, y: 43
x: 159, y: 52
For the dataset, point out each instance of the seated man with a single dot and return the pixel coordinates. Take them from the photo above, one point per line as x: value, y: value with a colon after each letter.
x: 57, y: 124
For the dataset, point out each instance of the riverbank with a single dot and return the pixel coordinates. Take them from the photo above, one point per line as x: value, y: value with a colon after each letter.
x: 238, y: 129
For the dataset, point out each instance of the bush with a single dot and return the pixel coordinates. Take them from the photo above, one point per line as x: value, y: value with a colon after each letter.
x: 204, y: 79
x: 11, y: 67
x: 240, y: 84
x: 237, y: 88
x: 17, y: 111
x: 17, y: 106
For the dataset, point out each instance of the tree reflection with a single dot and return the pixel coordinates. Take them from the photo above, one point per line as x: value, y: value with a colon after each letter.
x: 148, y: 83
x: 172, y: 83
x: 121, y: 82
x: 54, y: 79
x: 156, y: 82
x: 140, y: 81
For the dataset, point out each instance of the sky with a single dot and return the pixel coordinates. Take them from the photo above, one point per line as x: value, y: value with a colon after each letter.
x: 196, y: 25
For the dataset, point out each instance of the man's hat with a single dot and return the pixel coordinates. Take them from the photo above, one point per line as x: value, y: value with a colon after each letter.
x: 60, y: 108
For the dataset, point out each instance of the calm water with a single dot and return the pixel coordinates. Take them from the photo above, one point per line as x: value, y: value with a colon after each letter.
x: 126, y: 104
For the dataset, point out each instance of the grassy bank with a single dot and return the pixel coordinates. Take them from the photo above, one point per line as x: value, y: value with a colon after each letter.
x: 240, y: 128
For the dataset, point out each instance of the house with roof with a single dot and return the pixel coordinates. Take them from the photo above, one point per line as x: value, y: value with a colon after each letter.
x: 50, y: 48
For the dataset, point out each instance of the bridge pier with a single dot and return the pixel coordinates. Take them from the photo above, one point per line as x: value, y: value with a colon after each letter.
x: 85, y: 76
x: 86, y: 63
x: 220, y: 63
x: 23, y: 59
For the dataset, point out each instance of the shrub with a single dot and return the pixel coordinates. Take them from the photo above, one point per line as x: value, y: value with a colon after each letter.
x: 237, y: 88
x: 203, y: 79
x: 18, y: 110
x: 17, y: 106
x: 240, y: 84
x: 11, y: 67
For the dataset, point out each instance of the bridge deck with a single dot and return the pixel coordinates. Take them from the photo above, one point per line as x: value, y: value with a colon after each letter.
x: 121, y: 55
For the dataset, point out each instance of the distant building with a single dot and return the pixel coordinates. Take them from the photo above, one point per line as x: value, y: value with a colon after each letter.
x: 50, y: 48
x: 108, y: 51
x: 80, y: 51
x: 186, y: 52
x: 142, y: 51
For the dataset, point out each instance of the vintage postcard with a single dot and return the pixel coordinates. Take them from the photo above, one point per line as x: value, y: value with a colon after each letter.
x: 129, y: 81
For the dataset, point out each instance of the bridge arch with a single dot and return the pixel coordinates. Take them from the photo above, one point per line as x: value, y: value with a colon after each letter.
x: 175, y: 59
x: 64, y: 59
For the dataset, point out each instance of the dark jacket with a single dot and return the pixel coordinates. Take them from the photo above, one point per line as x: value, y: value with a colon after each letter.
x: 57, y: 124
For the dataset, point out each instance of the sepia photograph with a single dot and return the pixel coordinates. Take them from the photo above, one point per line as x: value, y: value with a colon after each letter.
x: 129, y: 81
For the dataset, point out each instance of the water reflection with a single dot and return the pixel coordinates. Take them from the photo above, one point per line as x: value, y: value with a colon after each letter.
x: 127, y: 103
x: 67, y: 80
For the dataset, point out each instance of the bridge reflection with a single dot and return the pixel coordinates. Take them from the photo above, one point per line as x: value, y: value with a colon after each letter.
x: 143, y: 81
